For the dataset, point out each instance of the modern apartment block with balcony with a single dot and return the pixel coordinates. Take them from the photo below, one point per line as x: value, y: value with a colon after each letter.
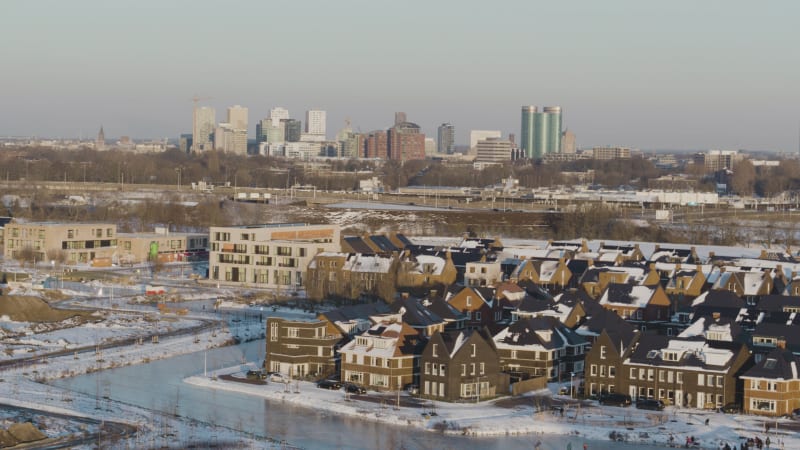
x: 72, y: 243
x: 270, y: 255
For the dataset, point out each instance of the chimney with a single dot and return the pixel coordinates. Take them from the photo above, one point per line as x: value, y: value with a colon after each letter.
x: 715, y: 316
x: 781, y: 344
x: 433, y: 293
x: 404, y: 295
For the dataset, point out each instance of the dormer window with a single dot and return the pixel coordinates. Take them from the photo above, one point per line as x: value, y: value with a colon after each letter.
x: 669, y: 356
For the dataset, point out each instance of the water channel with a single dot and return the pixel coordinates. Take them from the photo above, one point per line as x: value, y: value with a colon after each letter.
x: 158, y: 386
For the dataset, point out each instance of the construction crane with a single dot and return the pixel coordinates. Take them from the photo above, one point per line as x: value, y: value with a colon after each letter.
x: 196, y: 99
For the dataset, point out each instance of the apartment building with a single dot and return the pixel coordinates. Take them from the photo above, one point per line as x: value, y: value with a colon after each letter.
x: 72, y: 243
x: 269, y: 255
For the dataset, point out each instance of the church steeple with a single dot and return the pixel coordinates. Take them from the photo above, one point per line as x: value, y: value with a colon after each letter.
x: 100, y: 144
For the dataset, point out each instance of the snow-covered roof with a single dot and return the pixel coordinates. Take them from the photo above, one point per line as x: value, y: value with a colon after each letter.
x: 369, y: 264
x: 627, y: 295
x: 436, y: 264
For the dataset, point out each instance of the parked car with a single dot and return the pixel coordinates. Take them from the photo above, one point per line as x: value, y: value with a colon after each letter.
x: 731, y: 408
x: 615, y: 399
x: 329, y: 384
x: 256, y: 375
x: 353, y: 388
x: 650, y: 404
x: 277, y: 377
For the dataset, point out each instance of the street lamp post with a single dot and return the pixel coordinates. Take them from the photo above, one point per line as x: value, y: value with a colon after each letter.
x: 572, y: 384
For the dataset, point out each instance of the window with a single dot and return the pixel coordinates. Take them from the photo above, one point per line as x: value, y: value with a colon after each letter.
x: 602, y: 352
x: 463, y: 370
x: 469, y: 300
x: 679, y: 378
x: 483, y: 369
x: 513, y: 354
x: 612, y: 371
x: 474, y: 350
x: 710, y: 380
x: 602, y: 371
x: 642, y: 373
x: 633, y: 374
x: 701, y: 379
x: 441, y: 369
x: 593, y: 370
x: 472, y: 366
x: 661, y: 376
x: 273, y: 331
x: 292, y: 332
x: 477, y: 315
x: 433, y: 352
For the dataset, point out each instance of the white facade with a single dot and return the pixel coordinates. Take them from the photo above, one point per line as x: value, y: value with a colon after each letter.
x: 479, y: 135
x: 315, y: 122
x: 203, y: 123
x: 493, y: 150
x: 269, y: 255
x: 277, y: 114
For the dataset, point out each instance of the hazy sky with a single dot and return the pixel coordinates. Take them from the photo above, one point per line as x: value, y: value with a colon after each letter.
x: 669, y: 74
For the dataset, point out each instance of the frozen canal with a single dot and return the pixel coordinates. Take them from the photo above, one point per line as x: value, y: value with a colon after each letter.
x: 158, y: 386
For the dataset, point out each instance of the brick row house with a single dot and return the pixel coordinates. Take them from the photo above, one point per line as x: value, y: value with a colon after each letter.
x: 299, y: 349
x: 461, y: 366
x: 384, y: 358
x: 692, y: 373
x: 540, y: 347
x: 772, y: 387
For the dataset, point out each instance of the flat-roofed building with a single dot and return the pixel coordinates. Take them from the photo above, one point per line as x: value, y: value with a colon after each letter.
x: 607, y: 153
x: 268, y: 255
x: 161, y: 246
x: 72, y: 243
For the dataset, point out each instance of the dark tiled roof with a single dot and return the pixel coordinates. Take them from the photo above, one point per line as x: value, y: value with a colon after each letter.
x: 383, y: 243
x: 618, y: 330
x: 358, y: 245
x: 416, y: 314
x: 523, y: 332
x: 441, y: 308
x: 654, y: 342
x: 774, y: 303
x: 778, y: 364
x: 363, y: 311
x: 402, y: 238
x: 722, y: 298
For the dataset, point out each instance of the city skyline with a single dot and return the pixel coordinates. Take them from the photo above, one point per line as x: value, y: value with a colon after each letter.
x: 677, y: 76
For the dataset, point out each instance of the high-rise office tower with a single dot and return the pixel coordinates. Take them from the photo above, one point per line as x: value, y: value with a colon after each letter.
x: 376, y: 144
x: 277, y: 114
x: 203, y: 124
x: 552, y: 121
x: 540, y: 132
x: 399, y: 117
x: 237, y: 117
x: 446, y: 138
x: 315, y: 122
x: 292, y: 130
x: 568, y: 142
x: 406, y: 142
